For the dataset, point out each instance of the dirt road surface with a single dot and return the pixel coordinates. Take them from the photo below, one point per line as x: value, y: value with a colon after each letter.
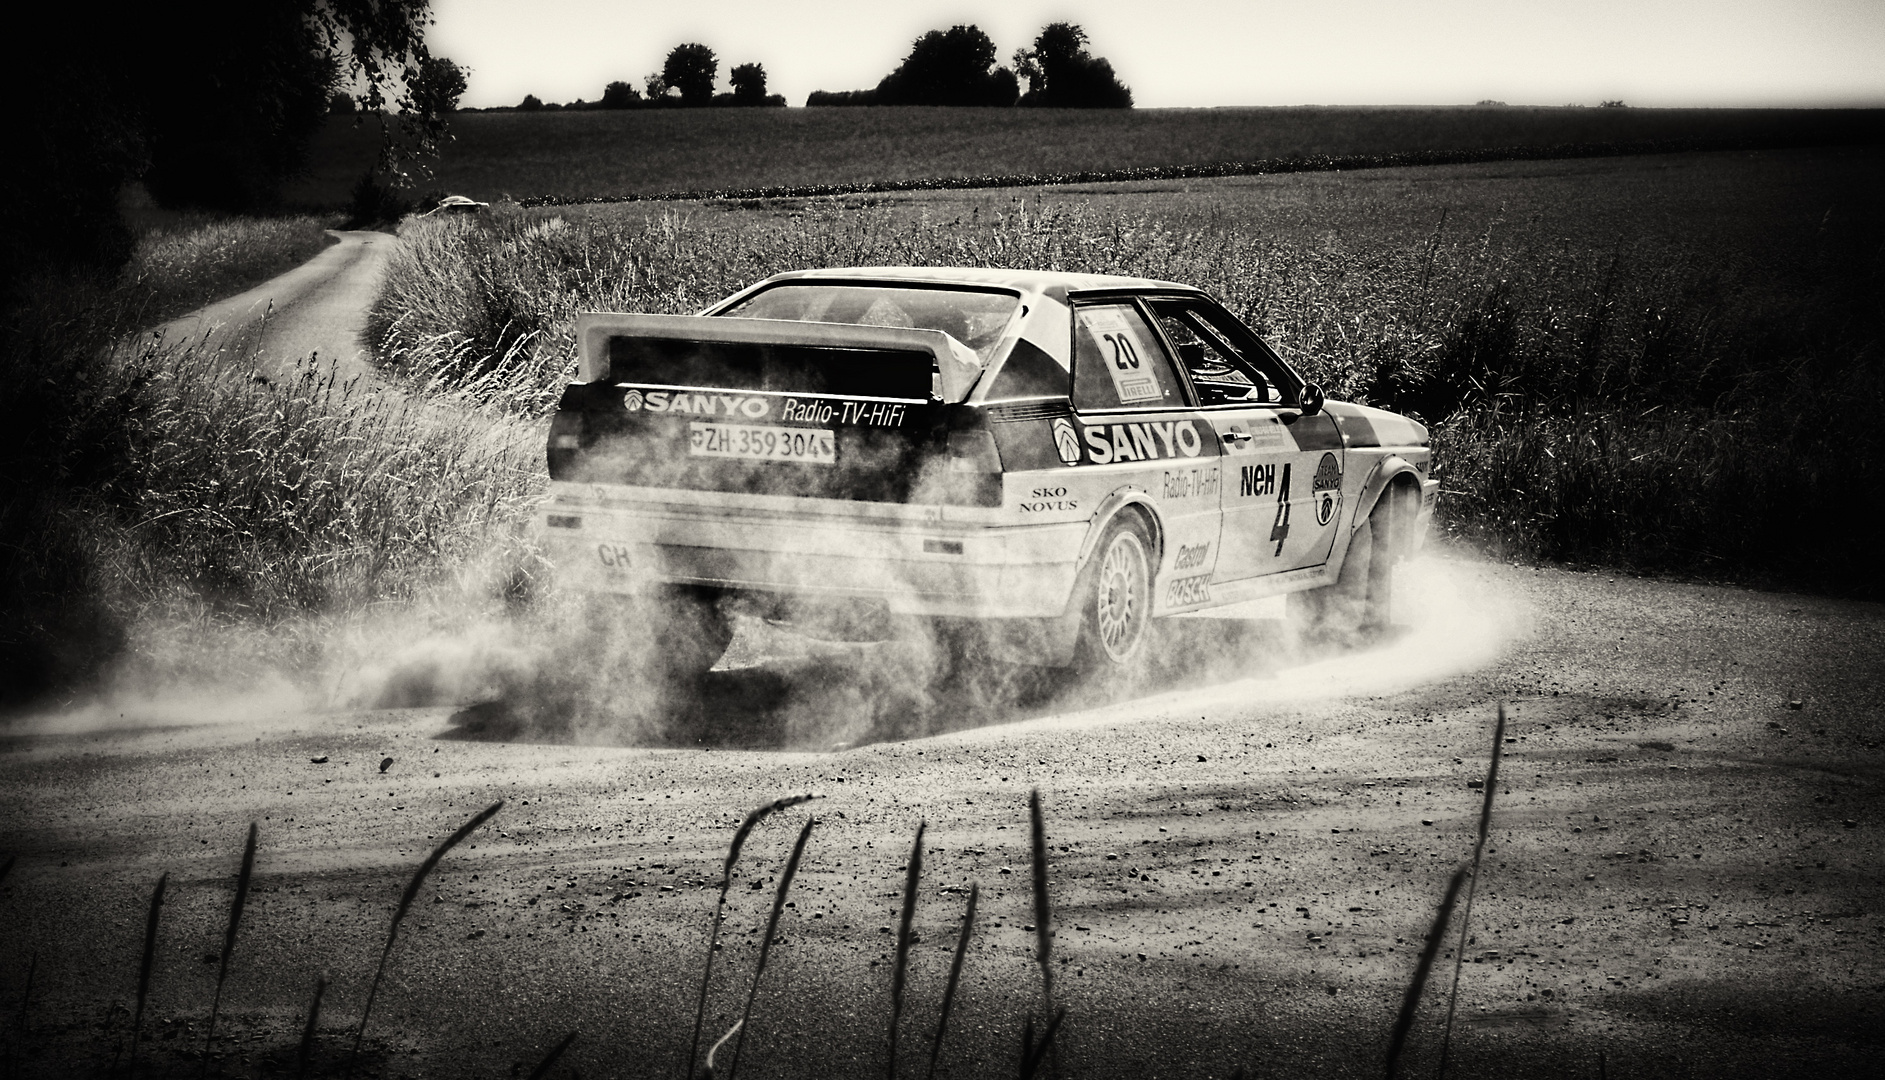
x: 1683, y: 877
x: 317, y: 308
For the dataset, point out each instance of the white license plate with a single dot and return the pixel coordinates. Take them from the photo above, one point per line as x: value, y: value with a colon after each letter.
x: 816, y: 446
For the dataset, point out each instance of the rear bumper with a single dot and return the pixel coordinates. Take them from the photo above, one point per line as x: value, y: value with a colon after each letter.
x: 610, y: 538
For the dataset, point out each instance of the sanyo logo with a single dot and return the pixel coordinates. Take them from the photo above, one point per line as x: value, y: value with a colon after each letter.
x: 676, y: 401
x: 1107, y: 443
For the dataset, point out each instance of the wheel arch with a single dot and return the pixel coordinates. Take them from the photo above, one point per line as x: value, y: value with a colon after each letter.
x: 1125, y: 501
x: 1393, y: 478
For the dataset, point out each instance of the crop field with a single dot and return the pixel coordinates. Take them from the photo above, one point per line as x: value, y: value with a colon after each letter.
x: 611, y: 154
x: 1620, y: 357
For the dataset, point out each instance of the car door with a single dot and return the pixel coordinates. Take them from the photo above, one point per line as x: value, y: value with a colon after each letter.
x: 1282, y: 470
x: 1138, y: 428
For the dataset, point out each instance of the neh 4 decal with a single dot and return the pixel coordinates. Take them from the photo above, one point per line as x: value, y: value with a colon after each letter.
x: 1149, y: 441
x: 1327, y: 488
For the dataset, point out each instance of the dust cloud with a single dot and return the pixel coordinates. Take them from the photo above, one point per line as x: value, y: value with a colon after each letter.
x: 567, y: 668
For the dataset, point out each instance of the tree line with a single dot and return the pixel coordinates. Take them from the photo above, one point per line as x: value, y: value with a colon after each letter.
x: 956, y: 66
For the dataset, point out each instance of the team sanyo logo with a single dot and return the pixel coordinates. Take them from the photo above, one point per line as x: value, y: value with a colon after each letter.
x: 1066, y: 442
x: 675, y: 401
x: 632, y: 401
x: 1327, y: 488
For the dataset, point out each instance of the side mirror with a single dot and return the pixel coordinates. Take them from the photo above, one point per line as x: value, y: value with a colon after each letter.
x: 1311, y: 399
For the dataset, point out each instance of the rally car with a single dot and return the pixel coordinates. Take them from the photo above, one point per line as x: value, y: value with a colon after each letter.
x: 1047, y: 460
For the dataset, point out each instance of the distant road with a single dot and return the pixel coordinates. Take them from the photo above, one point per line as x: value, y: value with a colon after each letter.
x: 318, y: 307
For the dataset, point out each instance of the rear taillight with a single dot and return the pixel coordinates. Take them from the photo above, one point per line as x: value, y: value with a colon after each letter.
x: 973, y: 452
x: 971, y: 464
x: 566, y: 440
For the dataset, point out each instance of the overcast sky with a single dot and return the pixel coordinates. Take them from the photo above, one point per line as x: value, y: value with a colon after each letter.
x: 1185, y: 53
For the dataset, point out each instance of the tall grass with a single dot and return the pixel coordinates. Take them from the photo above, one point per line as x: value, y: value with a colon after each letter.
x: 236, y: 903
x: 740, y: 834
x: 140, y: 484
x: 1616, y: 403
x: 189, y: 261
x: 405, y: 904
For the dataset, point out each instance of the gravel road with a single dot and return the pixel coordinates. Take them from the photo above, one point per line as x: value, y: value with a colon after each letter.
x: 1245, y: 854
x: 319, y: 307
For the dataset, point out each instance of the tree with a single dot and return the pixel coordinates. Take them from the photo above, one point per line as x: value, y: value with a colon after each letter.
x: 212, y: 103
x: 620, y: 95
x: 439, y: 86
x: 531, y: 103
x: 749, y: 84
x: 691, y: 69
x: 949, y: 67
x: 1062, y: 74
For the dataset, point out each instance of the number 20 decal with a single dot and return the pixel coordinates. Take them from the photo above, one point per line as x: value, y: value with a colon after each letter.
x: 1125, y: 357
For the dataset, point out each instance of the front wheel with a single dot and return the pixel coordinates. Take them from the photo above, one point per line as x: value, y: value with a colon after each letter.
x: 1359, y: 606
x: 1116, y: 607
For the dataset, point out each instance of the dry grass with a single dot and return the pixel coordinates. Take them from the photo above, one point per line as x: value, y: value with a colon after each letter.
x: 719, y: 913
x: 243, y: 876
x: 1617, y: 359
x: 405, y: 904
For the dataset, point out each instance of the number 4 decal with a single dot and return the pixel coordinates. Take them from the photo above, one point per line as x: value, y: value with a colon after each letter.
x: 1279, y: 532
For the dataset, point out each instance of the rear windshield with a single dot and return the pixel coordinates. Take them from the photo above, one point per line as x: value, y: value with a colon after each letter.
x: 801, y: 369
x: 973, y: 317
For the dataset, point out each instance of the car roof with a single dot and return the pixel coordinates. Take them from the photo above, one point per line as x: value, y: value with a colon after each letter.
x: 1052, y: 283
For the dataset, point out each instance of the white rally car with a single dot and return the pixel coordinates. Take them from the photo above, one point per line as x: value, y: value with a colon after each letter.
x: 1045, y: 460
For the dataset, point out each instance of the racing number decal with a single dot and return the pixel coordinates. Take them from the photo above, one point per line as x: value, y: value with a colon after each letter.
x: 1117, y: 334
x: 1279, y: 532
x: 1125, y: 357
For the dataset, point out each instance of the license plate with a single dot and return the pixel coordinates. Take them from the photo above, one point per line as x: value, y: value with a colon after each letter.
x: 816, y: 446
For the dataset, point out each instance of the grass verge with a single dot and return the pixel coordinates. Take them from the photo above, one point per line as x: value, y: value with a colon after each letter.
x: 1658, y: 404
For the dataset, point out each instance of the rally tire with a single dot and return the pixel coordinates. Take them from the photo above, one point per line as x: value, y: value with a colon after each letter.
x: 1116, y: 604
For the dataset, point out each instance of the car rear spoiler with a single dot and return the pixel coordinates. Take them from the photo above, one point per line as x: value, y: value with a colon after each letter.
x: 957, y: 366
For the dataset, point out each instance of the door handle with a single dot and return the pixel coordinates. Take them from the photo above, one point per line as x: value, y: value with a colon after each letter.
x: 1235, y: 438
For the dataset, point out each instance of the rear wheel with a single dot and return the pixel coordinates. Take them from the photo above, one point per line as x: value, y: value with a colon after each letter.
x: 1116, y: 607
x: 673, y: 635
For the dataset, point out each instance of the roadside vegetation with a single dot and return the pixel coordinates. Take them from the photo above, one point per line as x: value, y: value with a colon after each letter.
x: 1627, y: 365
x: 160, y: 485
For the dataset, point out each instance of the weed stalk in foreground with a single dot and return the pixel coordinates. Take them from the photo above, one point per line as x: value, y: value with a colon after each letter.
x: 229, y: 941
x: 1411, y: 1002
x: 914, y: 871
x: 1043, y: 927
x: 955, y: 976
x: 765, y: 947
x: 719, y: 915
x: 307, y: 1032
x: 399, y: 913
x: 549, y: 1060
x: 1472, y: 885
x: 150, y: 959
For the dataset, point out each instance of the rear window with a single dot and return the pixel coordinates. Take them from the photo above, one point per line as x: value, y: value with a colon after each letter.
x: 971, y: 316
x: 800, y: 369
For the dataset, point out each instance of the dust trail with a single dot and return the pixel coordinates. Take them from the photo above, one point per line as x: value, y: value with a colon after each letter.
x: 1451, y: 617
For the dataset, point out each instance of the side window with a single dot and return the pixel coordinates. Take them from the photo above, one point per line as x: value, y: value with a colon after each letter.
x: 1226, y: 362
x: 1118, y: 361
